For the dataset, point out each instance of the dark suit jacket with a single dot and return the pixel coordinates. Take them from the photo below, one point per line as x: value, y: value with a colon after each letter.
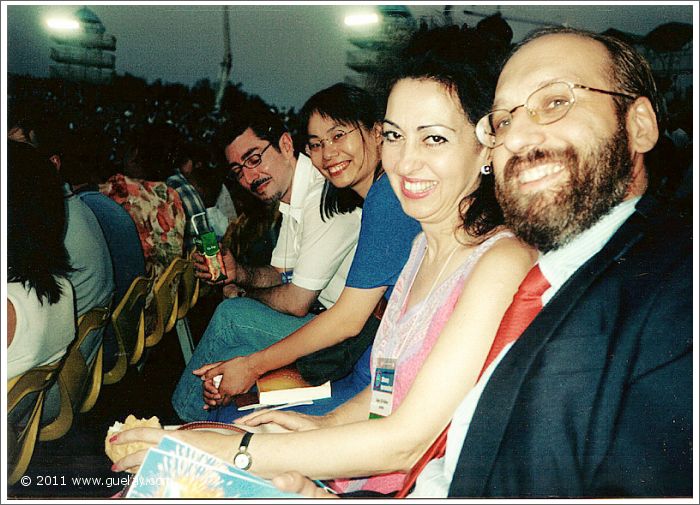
x: 596, y: 397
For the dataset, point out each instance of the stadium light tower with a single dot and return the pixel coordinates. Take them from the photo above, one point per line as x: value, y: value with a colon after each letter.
x: 82, y: 49
x: 375, y: 34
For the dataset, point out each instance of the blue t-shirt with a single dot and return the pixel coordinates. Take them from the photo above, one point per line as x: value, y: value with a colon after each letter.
x: 385, y: 240
x: 386, y: 237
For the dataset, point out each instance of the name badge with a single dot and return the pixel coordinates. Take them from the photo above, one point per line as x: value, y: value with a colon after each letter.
x: 383, y: 388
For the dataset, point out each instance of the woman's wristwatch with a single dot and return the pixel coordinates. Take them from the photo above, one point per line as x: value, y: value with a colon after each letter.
x: 243, y: 459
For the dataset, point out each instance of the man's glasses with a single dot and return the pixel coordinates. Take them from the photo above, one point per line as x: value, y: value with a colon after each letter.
x: 236, y: 170
x: 338, y: 137
x: 544, y: 106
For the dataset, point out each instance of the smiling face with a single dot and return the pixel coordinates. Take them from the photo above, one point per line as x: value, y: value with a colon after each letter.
x: 351, y: 159
x: 554, y: 181
x: 430, y: 152
x: 271, y: 179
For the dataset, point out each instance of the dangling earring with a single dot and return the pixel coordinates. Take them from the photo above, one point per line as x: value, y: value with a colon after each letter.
x: 486, y: 169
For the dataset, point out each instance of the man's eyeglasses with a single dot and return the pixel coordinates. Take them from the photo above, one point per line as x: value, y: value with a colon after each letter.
x: 339, y: 136
x: 236, y: 170
x: 544, y: 106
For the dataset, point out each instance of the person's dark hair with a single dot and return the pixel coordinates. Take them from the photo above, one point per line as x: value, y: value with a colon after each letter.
x: 466, y: 61
x: 350, y: 105
x: 35, y: 223
x: 23, y: 115
x: 628, y: 70
x: 83, y: 155
x: 208, y: 169
x: 257, y: 116
x: 150, y: 152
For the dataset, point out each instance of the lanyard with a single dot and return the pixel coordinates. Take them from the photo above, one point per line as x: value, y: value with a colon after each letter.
x: 405, y: 341
x: 381, y: 402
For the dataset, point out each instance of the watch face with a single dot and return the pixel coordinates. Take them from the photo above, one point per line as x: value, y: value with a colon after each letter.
x: 242, y: 460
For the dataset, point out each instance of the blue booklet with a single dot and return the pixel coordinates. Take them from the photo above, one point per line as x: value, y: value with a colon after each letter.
x: 174, y: 469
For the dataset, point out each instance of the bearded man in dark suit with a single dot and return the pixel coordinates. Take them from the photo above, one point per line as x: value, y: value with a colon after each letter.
x: 595, y: 399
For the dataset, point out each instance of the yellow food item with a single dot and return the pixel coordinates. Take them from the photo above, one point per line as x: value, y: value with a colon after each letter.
x: 119, y: 451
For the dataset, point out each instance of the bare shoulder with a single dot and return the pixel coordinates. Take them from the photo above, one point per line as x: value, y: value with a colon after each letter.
x: 507, y: 256
x: 512, y: 248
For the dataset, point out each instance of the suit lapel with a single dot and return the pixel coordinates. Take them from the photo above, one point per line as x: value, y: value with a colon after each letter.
x: 492, y: 415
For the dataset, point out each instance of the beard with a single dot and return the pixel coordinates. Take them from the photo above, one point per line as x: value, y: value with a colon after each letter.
x: 266, y: 199
x: 598, y: 181
x: 272, y: 199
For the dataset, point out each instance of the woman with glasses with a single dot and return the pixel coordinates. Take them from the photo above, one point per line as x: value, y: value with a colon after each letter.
x: 447, y: 304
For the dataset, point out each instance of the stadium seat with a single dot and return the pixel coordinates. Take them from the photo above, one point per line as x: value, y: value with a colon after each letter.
x: 128, y: 322
x: 165, y: 301
x: 79, y: 382
x: 187, y: 298
x: 189, y: 288
x: 25, y: 395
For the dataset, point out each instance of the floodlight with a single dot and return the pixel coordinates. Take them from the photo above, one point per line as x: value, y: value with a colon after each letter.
x: 361, y: 19
x: 62, y: 24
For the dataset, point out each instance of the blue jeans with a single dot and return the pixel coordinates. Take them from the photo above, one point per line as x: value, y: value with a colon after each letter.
x: 239, y: 327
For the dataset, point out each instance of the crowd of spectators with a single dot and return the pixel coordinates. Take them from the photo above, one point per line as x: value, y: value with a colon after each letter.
x: 168, y: 121
x: 113, y: 147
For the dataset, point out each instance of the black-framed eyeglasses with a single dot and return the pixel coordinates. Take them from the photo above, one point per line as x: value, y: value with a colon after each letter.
x: 545, y: 105
x: 338, y: 137
x: 236, y: 170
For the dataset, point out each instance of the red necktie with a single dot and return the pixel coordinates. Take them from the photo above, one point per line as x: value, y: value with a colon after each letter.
x: 526, y: 303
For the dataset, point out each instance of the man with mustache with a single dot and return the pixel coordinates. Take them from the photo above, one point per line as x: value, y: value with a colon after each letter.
x: 309, y: 264
x: 595, y: 398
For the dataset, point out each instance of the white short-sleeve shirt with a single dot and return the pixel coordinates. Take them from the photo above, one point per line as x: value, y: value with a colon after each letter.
x: 318, y: 252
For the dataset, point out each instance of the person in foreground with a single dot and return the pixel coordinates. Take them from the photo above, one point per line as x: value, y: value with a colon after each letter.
x: 595, y: 398
x: 446, y: 306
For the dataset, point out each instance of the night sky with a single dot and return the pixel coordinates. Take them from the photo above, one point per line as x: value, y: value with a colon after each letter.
x: 284, y: 53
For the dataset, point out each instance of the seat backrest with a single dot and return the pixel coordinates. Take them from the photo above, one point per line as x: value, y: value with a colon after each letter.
x: 78, y: 381
x: 188, y: 289
x: 76, y: 370
x: 25, y: 395
x: 165, y: 300
x: 128, y: 319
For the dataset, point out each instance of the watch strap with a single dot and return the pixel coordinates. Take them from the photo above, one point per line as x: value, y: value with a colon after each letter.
x: 245, y: 441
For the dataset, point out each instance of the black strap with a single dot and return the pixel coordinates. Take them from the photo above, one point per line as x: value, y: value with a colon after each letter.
x: 245, y: 441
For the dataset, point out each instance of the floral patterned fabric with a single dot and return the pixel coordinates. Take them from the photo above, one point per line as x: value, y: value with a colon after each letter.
x: 158, y: 213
